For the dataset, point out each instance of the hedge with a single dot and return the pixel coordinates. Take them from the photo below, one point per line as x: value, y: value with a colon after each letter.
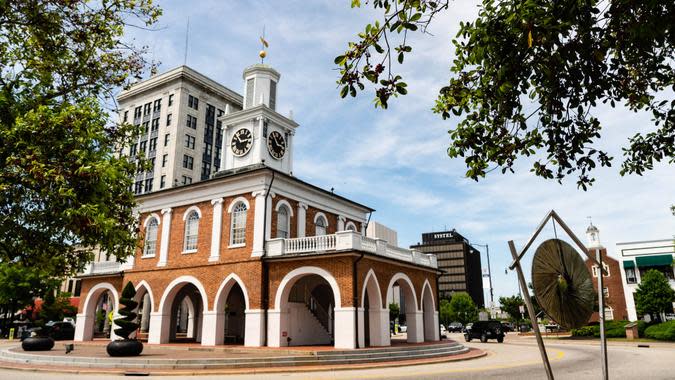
x: 613, y: 329
x: 661, y: 331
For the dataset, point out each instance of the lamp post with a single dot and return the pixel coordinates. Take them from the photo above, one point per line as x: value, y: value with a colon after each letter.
x: 487, y: 251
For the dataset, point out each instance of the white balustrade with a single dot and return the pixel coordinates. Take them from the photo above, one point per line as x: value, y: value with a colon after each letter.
x: 105, y: 267
x: 347, y: 240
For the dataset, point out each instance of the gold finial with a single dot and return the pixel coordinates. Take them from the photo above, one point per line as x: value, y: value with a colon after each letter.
x: 265, y: 44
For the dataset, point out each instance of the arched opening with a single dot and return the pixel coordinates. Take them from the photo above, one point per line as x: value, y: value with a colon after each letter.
x: 96, y: 319
x: 181, y: 312
x: 305, y: 305
x: 430, y: 315
x: 375, y: 317
x: 145, y: 308
x: 402, y: 292
x: 230, y: 310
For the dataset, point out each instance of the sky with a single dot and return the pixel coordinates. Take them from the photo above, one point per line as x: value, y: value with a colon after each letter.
x: 395, y: 160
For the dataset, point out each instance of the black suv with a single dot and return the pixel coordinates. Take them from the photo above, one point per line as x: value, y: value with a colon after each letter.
x: 485, y: 330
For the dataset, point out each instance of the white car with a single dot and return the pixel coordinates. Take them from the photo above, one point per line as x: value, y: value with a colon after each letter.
x: 403, y: 328
x: 443, y: 330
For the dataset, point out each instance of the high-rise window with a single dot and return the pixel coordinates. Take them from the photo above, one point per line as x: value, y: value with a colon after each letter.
x: 146, y: 109
x: 191, y: 122
x: 208, y: 149
x: 165, y: 159
x: 146, y: 126
x: 148, y: 185
x: 151, y: 238
x: 168, y: 120
x: 142, y: 147
x: 133, y: 150
x: 152, y: 165
x: 188, y: 162
x: 191, y: 231
x: 187, y: 180
x: 155, y: 124
x: 167, y: 138
x: 137, y: 112
x: 238, y: 227
x: 153, y: 144
x: 162, y: 182
x: 206, y: 170
x: 193, y: 102
x: 189, y: 141
x: 170, y: 100
x: 126, y: 116
x: 138, y: 187
x: 157, y: 106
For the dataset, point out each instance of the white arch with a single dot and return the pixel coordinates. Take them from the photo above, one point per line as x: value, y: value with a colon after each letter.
x: 431, y: 293
x: 406, y: 279
x: 351, y: 224
x: 225, y: 288
x: 371, y: 274
x: 95, y: 292
x: 234, y: 203
x: 146, y: 286
x: 284, y: 202
x: 293, y: 276
x: 149, y: 218
x: 173, y: 288
x: 318, y: 214
x: 190, y: 209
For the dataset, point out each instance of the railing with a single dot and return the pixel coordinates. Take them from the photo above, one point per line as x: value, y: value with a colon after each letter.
x: 319, y: 312
x: 346, y: 241
x: 310, y: 244
x: 104, y: 267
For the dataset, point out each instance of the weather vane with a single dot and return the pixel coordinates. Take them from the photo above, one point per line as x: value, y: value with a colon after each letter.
x: 263, y: 53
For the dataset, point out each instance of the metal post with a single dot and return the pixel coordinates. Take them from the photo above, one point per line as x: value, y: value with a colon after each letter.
x: 530, y: 311
x: 492, y: 297
x: 601, y: 314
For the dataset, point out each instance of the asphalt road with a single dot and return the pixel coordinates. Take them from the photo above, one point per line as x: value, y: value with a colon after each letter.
x: 516, y: 358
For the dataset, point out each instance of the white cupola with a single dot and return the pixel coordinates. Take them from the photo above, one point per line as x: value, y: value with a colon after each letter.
x: 593, y: 236
x: 260, y: 86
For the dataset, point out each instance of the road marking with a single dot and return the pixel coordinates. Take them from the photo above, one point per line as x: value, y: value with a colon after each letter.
x: 559, y: 356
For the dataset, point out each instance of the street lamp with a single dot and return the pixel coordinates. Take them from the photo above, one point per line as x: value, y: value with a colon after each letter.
x: 487, y: 250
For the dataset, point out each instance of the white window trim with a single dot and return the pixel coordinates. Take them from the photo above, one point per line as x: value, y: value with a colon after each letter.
x: 145, y: 226
x: 185, y: 216
x: 230, y: 209
x: 350, y: 223
x: 190, y: 209
x: 595, y: 270
x: 234, y: 203
x: 284, y: 202
x: 318, y: 214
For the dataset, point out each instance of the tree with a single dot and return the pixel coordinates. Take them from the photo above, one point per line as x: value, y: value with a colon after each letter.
x: 528, y: 75
x: 21, y: 285
x: 55, y: 308
x: 445, y: 312
x: 62, y: 189
x: 462, y: 308
x: 127, y: 321
x: 394, y: 311
x: 512, y: 305
x: 654, y: 294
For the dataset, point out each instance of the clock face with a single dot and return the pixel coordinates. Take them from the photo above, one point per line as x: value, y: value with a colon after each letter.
x: 276, y: 145
x: 241, y: 142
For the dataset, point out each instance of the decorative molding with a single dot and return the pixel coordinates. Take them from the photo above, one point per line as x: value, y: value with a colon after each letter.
x: 237, y: 200
x: 189, y: 210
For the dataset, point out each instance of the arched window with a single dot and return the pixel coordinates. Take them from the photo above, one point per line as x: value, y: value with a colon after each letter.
x: 320, y: 226
x: 238, y: 227
x: 351, y: 227
x: 191, y: 231
x: 283, y: 222
x: 150, y: 246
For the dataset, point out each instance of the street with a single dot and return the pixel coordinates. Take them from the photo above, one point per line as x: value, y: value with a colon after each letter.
x: 516, y: 358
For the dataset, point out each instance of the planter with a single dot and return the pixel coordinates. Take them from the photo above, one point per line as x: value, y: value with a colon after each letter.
x: 129, y: 347
x: 37, y: 343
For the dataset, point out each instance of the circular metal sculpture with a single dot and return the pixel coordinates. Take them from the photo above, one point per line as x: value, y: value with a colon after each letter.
x: 562, y: 284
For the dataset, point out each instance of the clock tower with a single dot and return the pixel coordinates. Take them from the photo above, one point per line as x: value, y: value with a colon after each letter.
x: 258, y: 134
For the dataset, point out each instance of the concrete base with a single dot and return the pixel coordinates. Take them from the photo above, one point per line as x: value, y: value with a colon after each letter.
x: 415, y: 321
x: 345, y: 328
x: 254, y: 335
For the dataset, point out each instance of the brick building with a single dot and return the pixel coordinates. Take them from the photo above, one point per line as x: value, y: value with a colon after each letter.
x: 615, y: 303
x: 256, y: 255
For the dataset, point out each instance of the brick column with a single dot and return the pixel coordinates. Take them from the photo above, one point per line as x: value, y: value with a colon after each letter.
x: 166, y: 230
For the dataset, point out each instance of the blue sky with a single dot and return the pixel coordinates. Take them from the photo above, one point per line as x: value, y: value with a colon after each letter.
x: 395, y: 160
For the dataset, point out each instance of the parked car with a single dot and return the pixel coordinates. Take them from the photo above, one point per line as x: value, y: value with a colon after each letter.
x: 443, y: 330
x: 455, y: 327
x: 467, y: 327
x: 485, y: 330
x: 56, y: 330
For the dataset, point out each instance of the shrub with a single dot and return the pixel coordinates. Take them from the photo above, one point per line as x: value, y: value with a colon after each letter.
x: 661, y: 331
x: 584, y: 331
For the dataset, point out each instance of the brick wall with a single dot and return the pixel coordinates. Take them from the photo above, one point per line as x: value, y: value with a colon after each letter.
x: 614, y: 285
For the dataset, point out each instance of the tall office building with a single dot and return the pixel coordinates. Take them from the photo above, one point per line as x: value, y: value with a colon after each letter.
x: 460, y: 261
x: 177, y: 112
